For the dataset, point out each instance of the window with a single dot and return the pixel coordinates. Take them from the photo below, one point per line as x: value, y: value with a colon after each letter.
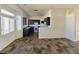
x: 7, y: 22
x: 5, y: 25
x: 18, y: 23
x: 11, y: 25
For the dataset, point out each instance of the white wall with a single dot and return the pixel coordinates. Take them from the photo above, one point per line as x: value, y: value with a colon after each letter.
x: 58, y: 26
x: 57, y: 29
x: 7, y: 39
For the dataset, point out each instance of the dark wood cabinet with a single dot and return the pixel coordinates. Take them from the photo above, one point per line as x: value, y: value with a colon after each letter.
x: 47, y: 20
x: 33, y: 21
x: 24, y: 21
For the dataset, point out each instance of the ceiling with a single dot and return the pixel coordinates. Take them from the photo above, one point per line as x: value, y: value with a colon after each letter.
x: 42, y: 8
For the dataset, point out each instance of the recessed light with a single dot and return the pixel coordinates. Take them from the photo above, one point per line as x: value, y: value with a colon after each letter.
x: 24, y: 4
x: 35, y: 10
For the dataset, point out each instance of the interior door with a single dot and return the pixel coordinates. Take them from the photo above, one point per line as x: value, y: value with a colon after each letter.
x: 70, y: 27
